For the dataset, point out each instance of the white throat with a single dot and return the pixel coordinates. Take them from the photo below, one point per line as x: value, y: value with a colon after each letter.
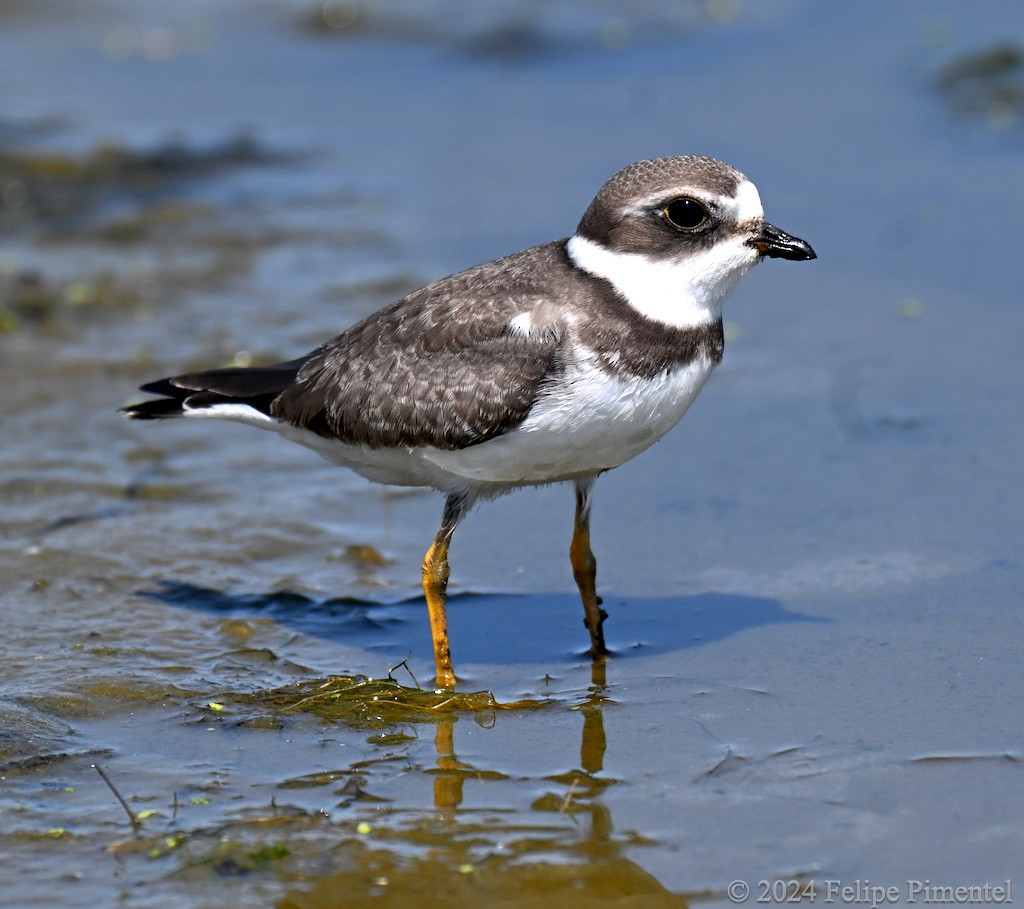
x: 681, y: 293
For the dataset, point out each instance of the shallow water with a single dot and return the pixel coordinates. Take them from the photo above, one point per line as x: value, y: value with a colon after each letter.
x: 814, y: 584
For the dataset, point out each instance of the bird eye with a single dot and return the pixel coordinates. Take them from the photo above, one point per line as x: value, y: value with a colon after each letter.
x: 685, y: 214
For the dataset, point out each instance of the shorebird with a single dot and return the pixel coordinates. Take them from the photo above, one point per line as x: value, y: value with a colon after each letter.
x: 553, y: 364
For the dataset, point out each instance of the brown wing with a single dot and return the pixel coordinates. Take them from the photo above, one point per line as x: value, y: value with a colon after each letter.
x: 440, y: 367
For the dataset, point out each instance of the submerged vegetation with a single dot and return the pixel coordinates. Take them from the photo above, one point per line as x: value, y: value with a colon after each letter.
x: 117, y: 200
x: 367, y: 703
x: 339, y: 837
x: 47, y: 188
x: 29, y: 299
x: 987, y: 83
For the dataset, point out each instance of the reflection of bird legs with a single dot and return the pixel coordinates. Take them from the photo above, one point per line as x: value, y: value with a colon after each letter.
x: 435, y: 581
x: 584, y: 569
x: 448, y: 782
x: 594, y: 743
x: 571, y: 823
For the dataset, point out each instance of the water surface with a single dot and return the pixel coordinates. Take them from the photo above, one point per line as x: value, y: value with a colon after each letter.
x: 813, y: 583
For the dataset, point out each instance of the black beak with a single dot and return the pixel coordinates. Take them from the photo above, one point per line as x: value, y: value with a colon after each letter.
x: 776, y: 244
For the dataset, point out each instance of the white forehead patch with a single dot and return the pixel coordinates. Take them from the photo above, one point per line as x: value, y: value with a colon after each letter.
x: 747, y: 203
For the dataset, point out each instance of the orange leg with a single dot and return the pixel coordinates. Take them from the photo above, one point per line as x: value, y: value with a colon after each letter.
x: 584, y: 569
x: 435, y: 582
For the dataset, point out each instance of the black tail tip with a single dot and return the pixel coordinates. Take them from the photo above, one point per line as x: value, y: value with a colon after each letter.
x: 159, y: 409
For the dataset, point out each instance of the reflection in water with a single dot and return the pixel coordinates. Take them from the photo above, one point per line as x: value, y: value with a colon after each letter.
x: 565, y: 852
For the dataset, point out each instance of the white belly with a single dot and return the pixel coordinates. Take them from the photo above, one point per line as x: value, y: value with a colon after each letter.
x: 593, y: 422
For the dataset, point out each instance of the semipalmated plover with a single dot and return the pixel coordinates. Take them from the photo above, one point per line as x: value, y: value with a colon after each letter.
x: 556, y: 363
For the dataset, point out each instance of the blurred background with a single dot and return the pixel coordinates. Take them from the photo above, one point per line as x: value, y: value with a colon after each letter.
x: 814, y: 582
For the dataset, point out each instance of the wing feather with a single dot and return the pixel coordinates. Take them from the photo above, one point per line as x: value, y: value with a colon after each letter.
x: 441, y: 367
